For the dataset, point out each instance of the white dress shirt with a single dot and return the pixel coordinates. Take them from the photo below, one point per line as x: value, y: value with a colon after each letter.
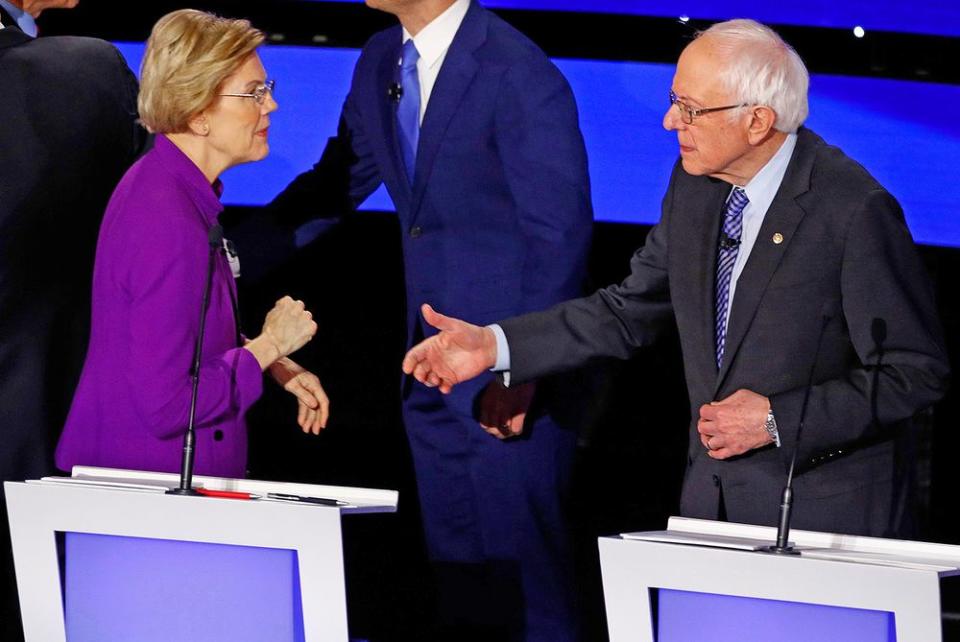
x: 761, y: 191
x: 432, y: 42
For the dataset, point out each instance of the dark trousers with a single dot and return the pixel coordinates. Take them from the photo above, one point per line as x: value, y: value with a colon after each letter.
x: 495, y: 521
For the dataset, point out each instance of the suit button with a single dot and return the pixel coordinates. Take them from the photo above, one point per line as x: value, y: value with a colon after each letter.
x: 716, y: 481
x: 218, y: 435
x: 415, y: 232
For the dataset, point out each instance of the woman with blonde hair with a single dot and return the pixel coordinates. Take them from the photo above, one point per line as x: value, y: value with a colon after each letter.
x: 205, y: 95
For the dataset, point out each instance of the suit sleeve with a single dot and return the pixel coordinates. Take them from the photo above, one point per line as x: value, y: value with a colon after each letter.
x: 883, y: 284
x: 613, y: 322
x: 545, y: 166
x: 127, y: 90
x: 164, y: 277
x: 342, y: 179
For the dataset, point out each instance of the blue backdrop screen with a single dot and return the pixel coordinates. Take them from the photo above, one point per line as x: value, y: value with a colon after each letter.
x: 929, y: 17
x: 894, y: 128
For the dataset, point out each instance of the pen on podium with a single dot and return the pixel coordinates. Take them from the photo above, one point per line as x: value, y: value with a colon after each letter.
x: 228, y: 494
x: 323, y: 501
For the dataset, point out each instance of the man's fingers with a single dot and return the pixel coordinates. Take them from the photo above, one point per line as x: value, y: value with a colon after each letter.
x: 709, y: 412
x: 410, y: 360
x: 420, y: 372
x: 437, y: 320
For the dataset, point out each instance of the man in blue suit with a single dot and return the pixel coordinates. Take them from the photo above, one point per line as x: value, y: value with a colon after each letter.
x: 475, y: 134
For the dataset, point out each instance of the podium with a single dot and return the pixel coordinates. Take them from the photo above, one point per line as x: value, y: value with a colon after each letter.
x: 144, y: 565
x: 706, y: 580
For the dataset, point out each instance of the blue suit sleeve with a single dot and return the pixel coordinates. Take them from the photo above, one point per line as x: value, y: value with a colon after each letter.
x: 545, y: 164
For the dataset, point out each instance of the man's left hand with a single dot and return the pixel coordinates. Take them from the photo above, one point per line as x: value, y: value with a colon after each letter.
x: 734, y: 425
x: 503, y: 410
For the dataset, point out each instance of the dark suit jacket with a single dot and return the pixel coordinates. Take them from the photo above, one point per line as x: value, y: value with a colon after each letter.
x: 498, y: 219
x: 846, y: 259
x: 68, y: 133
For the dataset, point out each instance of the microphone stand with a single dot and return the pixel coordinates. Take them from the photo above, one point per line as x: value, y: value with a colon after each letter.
x: 783, y: 547
x: 215, y: 239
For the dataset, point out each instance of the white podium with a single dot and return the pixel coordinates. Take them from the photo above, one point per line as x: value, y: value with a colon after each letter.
x: 695, y: 561
x: 131, y: 504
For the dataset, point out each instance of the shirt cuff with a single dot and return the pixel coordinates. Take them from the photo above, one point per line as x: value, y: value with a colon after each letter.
x: 502, y: 366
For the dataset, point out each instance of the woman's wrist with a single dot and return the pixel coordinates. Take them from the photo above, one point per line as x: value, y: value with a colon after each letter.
x: 264, y: 350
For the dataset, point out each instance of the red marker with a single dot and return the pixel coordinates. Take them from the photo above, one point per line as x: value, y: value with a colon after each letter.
x: 229, y: 494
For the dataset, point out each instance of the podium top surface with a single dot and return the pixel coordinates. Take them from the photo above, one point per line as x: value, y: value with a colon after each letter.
x: 357, y: 500
x: 943, y: 559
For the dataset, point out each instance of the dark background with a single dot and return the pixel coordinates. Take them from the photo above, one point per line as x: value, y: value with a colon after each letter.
x: 632, y: 451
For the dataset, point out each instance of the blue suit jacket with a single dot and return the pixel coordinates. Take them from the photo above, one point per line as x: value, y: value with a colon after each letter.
x: 498, y: 219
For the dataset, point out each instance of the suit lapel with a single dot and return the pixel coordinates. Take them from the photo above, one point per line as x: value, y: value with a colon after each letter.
x: 782, y: 218
x: 705, y: 208
x: 386, y: 75
x: 7, y: 20
x: 11, y: 35
x: 457, y: 72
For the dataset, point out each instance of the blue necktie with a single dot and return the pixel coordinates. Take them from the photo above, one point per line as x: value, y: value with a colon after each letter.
x: 726, y: 258
x: 408, y: 111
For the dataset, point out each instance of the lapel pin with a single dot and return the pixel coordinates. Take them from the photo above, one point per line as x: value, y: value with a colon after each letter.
x: 778, y: 238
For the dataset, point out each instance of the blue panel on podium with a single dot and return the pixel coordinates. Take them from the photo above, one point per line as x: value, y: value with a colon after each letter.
x: 129, y: 588
x: 685, y: 615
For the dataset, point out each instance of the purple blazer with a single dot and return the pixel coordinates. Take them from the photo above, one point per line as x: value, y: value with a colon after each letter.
x: 131, y: 406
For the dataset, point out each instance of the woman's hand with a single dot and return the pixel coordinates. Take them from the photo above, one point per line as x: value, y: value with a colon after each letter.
x: 287, y: 328
x: 312, y: 400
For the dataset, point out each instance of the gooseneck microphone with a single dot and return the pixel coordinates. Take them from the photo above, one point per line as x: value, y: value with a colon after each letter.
x: 215, y: 238
x: 782, y: 547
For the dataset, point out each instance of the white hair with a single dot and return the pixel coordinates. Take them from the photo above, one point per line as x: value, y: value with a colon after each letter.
x: 762, y: 69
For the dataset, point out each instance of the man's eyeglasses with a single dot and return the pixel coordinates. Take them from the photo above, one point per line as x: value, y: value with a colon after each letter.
x: 260, y: 93
x: 688, y: 113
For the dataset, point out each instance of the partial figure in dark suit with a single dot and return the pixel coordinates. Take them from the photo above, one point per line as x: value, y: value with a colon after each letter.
x: 771, y: 243
x: 475, y: 134
x: 69, y: 132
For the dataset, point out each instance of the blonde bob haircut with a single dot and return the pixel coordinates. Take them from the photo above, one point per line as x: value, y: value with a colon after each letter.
x: 189, y: 55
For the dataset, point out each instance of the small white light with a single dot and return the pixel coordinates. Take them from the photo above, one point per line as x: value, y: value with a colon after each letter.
x: 684, y: 19
x: 858, y: 31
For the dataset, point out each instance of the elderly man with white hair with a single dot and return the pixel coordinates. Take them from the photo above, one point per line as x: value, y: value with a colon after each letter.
x: 791, y: 277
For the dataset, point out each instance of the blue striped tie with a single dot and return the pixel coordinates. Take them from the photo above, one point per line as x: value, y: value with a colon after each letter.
x: 726, y: 258
x: 408, y: 111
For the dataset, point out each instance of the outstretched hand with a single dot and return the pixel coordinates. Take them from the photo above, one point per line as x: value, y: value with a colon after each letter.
x: 458, y: 353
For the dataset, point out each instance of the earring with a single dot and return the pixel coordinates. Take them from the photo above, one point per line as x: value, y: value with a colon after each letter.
x: 206, y: 129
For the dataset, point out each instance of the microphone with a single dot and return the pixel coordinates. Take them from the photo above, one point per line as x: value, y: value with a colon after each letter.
x: 215, y: 239
x: 728, y: 242
x: 782, y: 547
x: 395, y: 91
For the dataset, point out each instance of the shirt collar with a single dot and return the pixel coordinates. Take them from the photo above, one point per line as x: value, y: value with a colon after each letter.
x: 204, y: 195
x: 434, y: 39
x: 23, y: 19
x: 763, y: 187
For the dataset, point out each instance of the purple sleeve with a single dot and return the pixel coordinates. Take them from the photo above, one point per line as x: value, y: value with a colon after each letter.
x: 163, y: 273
